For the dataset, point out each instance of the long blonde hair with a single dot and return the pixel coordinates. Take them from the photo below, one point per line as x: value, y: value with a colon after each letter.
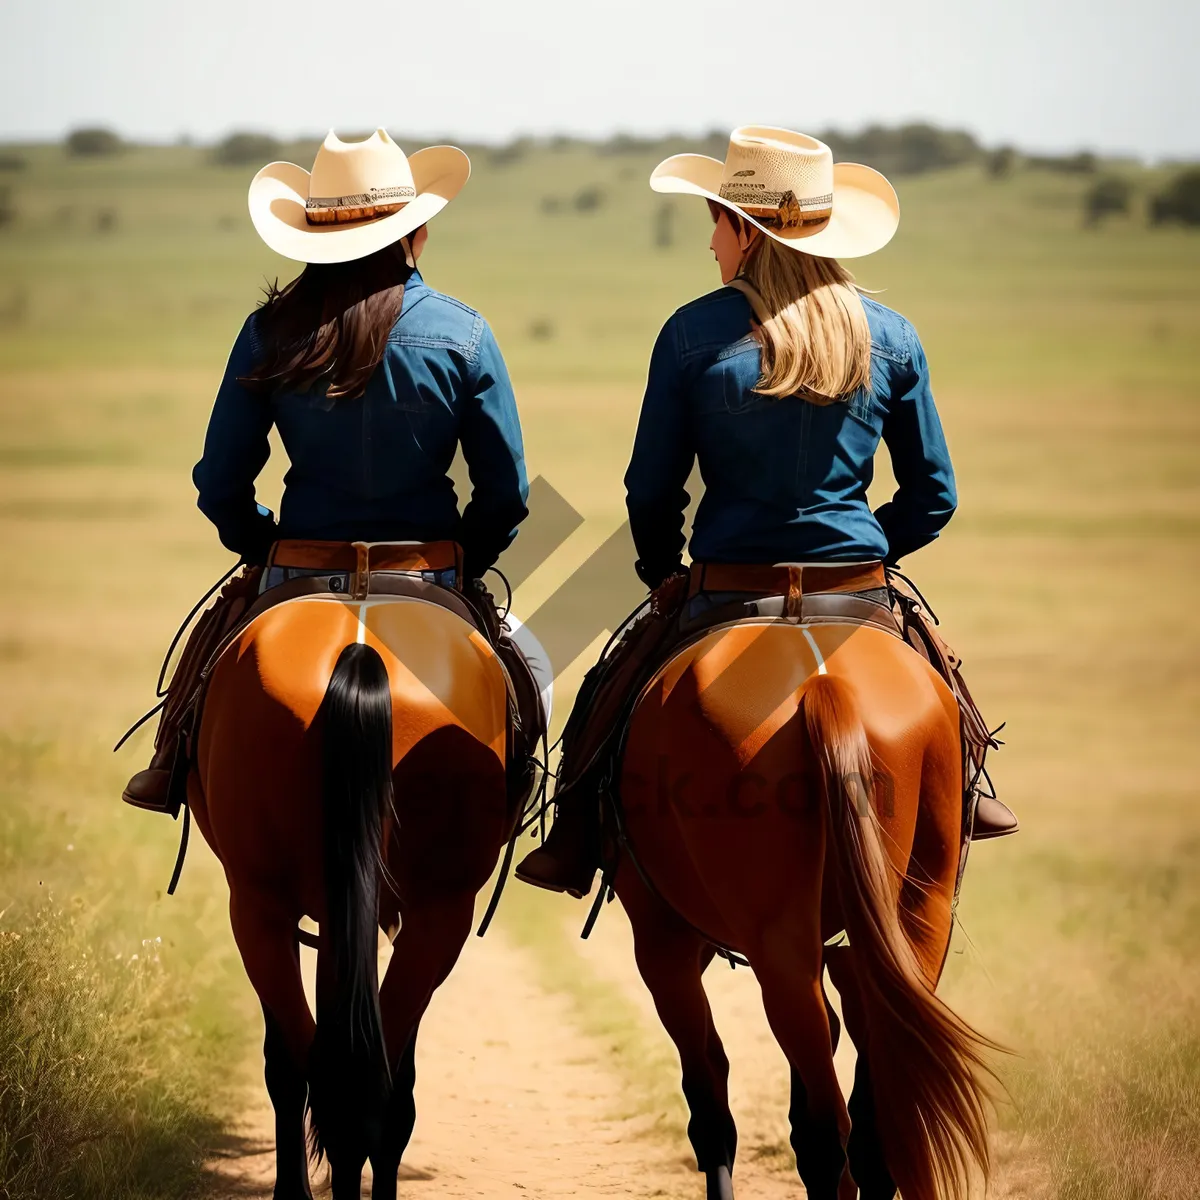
x: 811, y: 324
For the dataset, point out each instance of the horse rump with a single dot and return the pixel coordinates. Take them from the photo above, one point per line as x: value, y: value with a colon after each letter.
x: 349, y: 1077
x: 929, y: 1067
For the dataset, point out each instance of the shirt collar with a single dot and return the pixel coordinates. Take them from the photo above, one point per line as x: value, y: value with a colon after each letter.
x: 412, y: 290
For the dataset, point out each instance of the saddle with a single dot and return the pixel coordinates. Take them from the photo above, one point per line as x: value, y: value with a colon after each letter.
x: 856, y: 594
x: 812, y: 594
x: 345, y: 571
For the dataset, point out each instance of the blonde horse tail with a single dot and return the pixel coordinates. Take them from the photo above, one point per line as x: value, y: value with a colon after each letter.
x: 929, y: 1068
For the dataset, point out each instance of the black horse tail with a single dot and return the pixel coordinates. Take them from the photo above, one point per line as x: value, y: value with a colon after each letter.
x: 349, y: 1078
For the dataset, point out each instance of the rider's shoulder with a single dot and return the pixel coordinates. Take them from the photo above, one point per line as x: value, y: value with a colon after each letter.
x: 892, y: 333
x: 437, y: 321
x: 250, y: 339
x: 709, y: 319
x: 711, y: 304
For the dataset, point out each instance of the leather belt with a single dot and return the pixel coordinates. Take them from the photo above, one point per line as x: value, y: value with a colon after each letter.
x: 784, y: 579
x: 360, y: 560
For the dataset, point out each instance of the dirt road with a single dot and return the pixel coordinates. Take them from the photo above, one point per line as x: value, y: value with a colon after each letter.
x: 514, y: 1099
x: 511, y: 1100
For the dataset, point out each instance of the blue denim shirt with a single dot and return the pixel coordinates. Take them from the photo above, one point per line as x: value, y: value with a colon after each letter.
x: 376, y: 468
x: 785, y: 480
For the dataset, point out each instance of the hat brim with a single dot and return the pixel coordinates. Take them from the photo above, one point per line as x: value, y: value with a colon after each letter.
x: 279, y: 191
x: 866, y: 210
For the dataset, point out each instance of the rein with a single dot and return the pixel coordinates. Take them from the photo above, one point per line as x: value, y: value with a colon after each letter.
x: 533, y: 812
x: 159, y: 689
x: 161, y: 692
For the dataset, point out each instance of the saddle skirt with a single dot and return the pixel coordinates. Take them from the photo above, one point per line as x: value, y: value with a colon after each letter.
x: 387, y: 592
x: 804, y: 594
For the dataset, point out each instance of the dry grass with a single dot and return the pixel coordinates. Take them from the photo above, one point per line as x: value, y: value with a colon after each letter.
x: 85, y: 1110
x: 1066, y: 372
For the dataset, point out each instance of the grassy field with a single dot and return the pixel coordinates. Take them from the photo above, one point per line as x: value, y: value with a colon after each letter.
x: 1065, y: 364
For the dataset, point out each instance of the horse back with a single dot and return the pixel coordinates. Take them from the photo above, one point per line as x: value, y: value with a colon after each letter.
x: 256, y: 789
x: 719, y: 784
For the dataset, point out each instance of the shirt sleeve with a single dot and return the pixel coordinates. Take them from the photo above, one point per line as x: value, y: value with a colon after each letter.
x: 236, y: 447
x: 925, y: 496
x: 663, y: 455
x: 490, y: 434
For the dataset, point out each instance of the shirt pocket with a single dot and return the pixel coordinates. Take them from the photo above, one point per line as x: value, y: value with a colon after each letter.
x: 425, y: 375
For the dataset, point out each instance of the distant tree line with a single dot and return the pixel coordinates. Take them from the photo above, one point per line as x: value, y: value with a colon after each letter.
x: 247, y: 149
x: 1179, y: 200
x: 909, y: 149
x: 93, y: 142
x: 1113, y: 195
x: 899, y: 150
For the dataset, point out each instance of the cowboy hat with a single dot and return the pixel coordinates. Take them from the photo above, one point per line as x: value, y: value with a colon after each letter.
x: 358, y: 198
x: 787, y: 185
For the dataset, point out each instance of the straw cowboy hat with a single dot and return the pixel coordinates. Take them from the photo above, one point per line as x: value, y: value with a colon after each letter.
x: 358, y: 198
x: 787, y: 185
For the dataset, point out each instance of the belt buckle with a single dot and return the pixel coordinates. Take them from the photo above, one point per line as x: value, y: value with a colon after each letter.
x: 360, y: 581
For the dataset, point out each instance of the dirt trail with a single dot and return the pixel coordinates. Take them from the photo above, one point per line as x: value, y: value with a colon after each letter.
x: 513, y: 1099
x: 759, y: 1076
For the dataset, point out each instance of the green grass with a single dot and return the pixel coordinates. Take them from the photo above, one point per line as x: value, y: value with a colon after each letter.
x: 123, y: 1028
x: 1065, y: 365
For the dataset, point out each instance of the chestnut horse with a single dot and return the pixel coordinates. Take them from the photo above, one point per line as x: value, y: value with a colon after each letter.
x: 351, y: 767
x: 783, y: 784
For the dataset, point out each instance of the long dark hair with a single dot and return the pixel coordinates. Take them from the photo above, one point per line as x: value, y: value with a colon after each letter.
x: 331, y: 324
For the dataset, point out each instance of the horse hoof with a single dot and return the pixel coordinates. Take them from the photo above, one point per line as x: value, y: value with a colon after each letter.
x: 720, y: 1184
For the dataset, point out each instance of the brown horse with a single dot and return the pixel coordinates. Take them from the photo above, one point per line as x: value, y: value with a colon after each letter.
x: 782, y: 784
x: 351, y: 768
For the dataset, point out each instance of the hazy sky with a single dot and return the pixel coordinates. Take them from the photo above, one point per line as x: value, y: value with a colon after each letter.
x: 1056, y: 74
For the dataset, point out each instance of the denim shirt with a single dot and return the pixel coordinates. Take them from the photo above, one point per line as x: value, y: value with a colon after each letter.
x: 785, y: 480
x: 376, y: 468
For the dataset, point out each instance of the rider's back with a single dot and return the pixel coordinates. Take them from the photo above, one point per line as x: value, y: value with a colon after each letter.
x: 376, y: 467
x: 785, y: 479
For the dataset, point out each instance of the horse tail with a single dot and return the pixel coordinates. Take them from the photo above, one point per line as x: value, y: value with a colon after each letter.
x: 349, y: 1077
x: 928, y: 1066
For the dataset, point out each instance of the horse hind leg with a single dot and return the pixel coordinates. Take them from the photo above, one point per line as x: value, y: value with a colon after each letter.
x: 428, y: 945
x: 794, y: 1001
x: 798, y: 1120
x: 288, y: 1089
x: 671, y: 958
x: 266, y: 939
x: 865, y: 1149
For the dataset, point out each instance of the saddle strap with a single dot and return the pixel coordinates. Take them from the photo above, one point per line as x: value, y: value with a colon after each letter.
x: 920, y: 631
